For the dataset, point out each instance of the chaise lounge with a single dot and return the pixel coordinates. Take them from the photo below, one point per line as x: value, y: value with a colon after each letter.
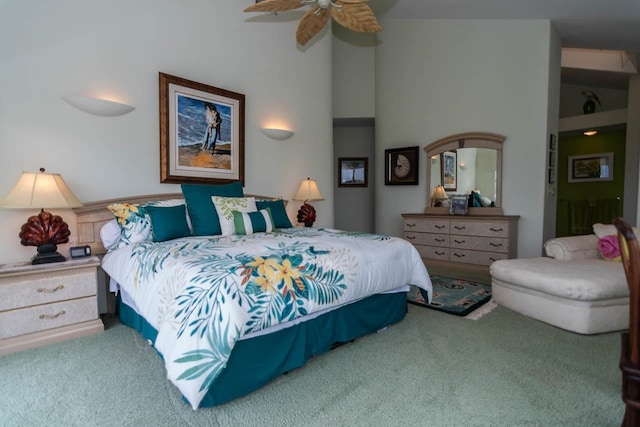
x: 579, y: 286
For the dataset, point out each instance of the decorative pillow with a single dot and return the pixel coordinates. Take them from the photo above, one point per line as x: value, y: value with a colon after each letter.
x: 134, y: 222
x: 609, y: 248
x: 203, y: 214
x: 168, y: 222
x: 278, y: 212
x: 602, y: 230
x: 253, y: 222
x: 110, y: 234
x: 225, y: 207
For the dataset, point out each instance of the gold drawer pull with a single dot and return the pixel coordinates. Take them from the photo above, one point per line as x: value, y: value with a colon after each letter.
x: 458, y: 241
x: 47, y: 316
x: 50, y: 291
x: 495, y: 229
x: 495, y: 245
x: 410, y: 225
x: 459, y: 228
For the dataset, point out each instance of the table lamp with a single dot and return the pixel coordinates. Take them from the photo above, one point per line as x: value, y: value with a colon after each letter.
x: 308, y: 191
x: 46, y: 231
x: 438, y: 196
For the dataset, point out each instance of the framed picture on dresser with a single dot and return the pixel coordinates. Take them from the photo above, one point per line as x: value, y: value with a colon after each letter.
x: 459, y: 205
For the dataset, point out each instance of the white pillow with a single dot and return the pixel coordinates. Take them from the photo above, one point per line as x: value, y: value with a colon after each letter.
x: 225, y: 207
x: 110, y: 234
x: 602, y: 230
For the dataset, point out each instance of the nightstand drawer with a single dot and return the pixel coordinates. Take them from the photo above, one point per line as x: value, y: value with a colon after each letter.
x: 47, y: 316
x: 46, y: 287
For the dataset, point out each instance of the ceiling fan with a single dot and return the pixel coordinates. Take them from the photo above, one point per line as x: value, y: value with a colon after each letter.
x: 352, y: 14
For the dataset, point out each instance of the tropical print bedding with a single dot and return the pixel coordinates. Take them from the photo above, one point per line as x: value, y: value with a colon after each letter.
x: 203, y: 294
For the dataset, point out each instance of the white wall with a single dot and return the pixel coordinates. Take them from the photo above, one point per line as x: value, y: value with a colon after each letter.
x: 435, y: 78
x: 117, y: 48
x: 353, y: 73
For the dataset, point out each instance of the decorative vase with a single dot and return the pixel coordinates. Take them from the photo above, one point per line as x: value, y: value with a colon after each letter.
x: 589, y: 107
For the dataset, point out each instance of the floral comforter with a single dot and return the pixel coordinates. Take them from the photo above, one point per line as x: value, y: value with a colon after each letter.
x: 203, y: 294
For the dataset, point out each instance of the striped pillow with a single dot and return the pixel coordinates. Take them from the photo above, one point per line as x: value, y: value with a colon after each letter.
x: 253, y: 222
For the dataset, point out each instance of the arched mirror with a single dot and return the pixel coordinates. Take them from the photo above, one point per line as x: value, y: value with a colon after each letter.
x: 462, y: 163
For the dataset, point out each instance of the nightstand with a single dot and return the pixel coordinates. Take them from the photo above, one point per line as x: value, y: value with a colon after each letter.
x: 46, y: 303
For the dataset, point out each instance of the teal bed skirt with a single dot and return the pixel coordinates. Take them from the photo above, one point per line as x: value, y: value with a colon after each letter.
x: 248, y: 369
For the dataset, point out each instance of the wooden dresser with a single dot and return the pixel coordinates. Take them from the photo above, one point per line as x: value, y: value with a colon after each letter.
x: 47, y: 303
x: 455, y: 243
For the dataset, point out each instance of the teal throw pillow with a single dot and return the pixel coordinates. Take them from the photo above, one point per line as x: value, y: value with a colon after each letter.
x: 253, y: 222
x: 278, y: 212
x: 168, y: 222
x: 204, y: 217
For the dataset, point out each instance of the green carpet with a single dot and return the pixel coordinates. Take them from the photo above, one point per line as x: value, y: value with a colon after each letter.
x: 431, y: 369
x: 453, y: 296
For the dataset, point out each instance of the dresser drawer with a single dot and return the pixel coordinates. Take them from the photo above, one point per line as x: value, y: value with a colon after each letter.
x: 427, y: 239
x: 48, y: 316
x: 46, y: 287
x: 487, y: 244
x: 427, y: 225
x: 476, y: 257
x: 432, y: 252
x: 481, y: 228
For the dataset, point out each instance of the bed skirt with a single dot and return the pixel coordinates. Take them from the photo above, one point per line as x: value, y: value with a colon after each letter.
x: 248, y: 369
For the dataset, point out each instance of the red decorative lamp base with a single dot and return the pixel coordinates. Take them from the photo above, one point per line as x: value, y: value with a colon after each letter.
x: 307, y: 214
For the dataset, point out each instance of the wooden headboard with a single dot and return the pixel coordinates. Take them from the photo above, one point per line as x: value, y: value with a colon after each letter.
x: 92, y: 216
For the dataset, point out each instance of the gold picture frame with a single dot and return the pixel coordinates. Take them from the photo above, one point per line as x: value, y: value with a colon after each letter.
x: 201, y: 132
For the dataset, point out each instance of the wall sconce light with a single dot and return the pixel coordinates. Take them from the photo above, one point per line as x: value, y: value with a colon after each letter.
x: 46, y: 231
x: 97, y: 106
x: 590, y: 132
x: 462, y: 166
x: 279, y: 134
x: 308, y: 191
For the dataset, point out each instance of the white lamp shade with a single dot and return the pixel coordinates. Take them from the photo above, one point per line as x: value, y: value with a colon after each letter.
x: 97, y: 106
x: 40, y: 190
x: 308, y: 191
x: 279, y: 134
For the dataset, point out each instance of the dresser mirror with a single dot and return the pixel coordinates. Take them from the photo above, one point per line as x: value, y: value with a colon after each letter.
x: 462, y: 163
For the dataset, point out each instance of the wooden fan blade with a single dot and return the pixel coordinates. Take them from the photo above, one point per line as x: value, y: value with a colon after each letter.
x: 275, y: 6
x: 311, y: 23
x: 356, y: 16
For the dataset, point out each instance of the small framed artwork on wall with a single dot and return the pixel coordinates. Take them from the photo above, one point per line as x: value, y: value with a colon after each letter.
x: 449, y: 162
x: 401, y: 166
x: 352, y: 171
x: 591, y: 167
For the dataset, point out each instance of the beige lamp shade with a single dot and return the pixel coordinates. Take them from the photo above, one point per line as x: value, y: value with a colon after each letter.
x: 40, y: 190
x: 439, y: 193
x: 308, y: 191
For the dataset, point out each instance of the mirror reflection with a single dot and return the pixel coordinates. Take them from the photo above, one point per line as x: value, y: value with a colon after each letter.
x: 465, y: 164
x: 471, y: 169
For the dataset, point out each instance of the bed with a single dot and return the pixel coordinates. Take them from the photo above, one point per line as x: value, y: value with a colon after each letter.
x: 229, y: 312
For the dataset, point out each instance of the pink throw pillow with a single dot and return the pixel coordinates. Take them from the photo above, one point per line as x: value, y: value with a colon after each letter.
x: 609, y: 248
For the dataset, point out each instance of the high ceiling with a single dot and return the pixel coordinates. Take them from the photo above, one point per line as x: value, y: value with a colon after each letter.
x: 592, y: 24
x: 587, y: 24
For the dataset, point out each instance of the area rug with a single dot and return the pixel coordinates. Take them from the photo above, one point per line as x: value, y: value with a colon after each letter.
x: 453, y: 296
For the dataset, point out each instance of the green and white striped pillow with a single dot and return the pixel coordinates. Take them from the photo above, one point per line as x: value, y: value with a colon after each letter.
x: 253, y: 222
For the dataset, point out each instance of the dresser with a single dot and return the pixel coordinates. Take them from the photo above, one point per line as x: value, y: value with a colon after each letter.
x: 47, y: 303
x: 469, y: 243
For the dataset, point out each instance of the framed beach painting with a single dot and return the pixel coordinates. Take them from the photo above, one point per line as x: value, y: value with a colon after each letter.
x: 449, y: 164
x: 591, y: 167
x: 401, y: 166
x: 201, y: 133
x: 353, y: 172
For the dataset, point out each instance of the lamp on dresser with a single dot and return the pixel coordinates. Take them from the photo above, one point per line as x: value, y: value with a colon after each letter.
x: 308, y: 191
x: 45, y: 230
x: 439, y: 194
